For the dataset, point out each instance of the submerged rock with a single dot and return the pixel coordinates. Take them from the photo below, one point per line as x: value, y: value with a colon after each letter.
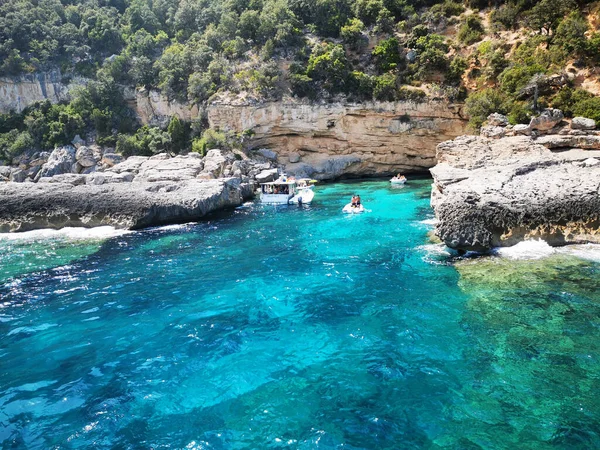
x: 491, y: 193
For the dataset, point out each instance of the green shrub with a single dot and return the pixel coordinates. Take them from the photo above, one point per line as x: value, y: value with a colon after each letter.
x: 471, y: 30
x: 387, y: 54
x: 210, y: 139
x: 352, y: 33
x: 515, y: 78
x: 385, y: 88
x: 361, y: 85
x: 520, y: 112
x: 147, y: 141
x: 302, y: 85
x: 14, y: 143
x: 505, y: 17
x: 577, y: 102
x: 328, y: 65
x: 411, y: 95
x: 179, y: 132
x: 570, y: 34
x: 482, y: 103
x: 457, y: 68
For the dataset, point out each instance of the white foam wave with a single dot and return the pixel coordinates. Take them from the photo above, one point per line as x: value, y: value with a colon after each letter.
x: 435, y: 252
x: 68, y: 233
x: 538, y: 249
x: 591, y: 252
x: 431, y: 221
x: 180, y: 226
x: 534, y: 249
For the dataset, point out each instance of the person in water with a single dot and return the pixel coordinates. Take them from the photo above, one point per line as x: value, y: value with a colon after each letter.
x: 355, y: 201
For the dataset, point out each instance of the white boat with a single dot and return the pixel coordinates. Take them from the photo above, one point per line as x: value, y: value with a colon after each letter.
x: 285, y: 191
x: 398, y: 180
x: 305, y: 192
x: 353, y: 209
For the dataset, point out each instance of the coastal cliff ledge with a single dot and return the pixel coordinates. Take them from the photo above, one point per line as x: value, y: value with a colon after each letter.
x: 29, y: 206
x: 497, y: 192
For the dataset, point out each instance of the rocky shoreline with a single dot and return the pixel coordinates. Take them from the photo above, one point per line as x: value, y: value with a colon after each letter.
x: 134, y: 193
x: 536, y: 181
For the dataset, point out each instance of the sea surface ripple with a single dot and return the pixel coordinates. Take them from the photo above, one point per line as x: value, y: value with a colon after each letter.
x: 297, y: 327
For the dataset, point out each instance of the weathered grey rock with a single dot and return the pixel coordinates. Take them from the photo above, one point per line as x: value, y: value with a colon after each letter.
x: 99, y: 178
x: 89, y: 170
x: 294, y: 157
x: 5, y: 173
x: 266, y: 175
x: 591, y: 162
x: 60, y: 161
x: 493, y: 132
x: 76, y: 168
x: 324, y: 167
x: 111, y: 159
x: 26, y: 207
x: 33, y: 171
x: 131, y: 164
x: 497, y: 120
x: 181, y: 167
x: 581, y: 123
x: 490, y: 193
x: 67, y: 178
x: 77, y: 141
x: 85, y: 156
x: 554, y: 141
x: 40, y: 160
x: 18, y: 175
x: 547, y: 120
x: 268, y: 154
x: 214, y: 163
x: 521, y: 129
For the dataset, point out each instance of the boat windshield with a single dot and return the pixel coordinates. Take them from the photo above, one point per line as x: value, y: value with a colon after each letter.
x: 275, y: 189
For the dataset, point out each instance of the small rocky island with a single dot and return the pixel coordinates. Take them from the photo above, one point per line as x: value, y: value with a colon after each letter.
x: 536, y: 181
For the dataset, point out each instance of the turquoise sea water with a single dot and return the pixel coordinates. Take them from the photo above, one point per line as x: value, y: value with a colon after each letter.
x: 287, y: 327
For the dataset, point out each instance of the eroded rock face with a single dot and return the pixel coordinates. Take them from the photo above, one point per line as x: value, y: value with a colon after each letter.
x: 154, y: 108
x: 490, y: 193
x: 31, y: 206
x: 17, y: 93
x: 334, y: 140
x: 547, y: 120
x: 60, y: 161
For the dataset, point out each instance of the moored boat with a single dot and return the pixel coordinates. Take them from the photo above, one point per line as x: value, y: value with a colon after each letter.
x: 398, y: 179
x: 287, y: 190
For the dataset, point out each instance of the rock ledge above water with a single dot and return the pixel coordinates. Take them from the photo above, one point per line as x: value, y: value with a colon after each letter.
x: 497, y: 192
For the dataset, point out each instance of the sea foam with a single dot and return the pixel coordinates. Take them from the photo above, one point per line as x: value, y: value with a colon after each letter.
x: 68, y: 233
x: 538, y: 249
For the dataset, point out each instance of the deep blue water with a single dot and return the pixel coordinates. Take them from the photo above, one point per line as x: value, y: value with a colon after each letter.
x: 288, y: 327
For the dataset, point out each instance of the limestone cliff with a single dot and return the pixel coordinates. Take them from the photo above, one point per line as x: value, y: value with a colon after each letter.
x: 327, y: 141
x: 154, y: 108
x: 17, y: 93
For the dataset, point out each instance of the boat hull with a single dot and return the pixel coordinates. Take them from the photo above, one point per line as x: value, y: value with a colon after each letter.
x: 353, y: 209
x: 304, y: 196
x: 276, y: 199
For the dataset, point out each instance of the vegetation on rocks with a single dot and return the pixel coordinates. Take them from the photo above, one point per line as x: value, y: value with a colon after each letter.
x: 499, y: 55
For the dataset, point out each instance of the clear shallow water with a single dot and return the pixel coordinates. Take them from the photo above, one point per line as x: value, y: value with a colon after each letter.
x: 273, y: 327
